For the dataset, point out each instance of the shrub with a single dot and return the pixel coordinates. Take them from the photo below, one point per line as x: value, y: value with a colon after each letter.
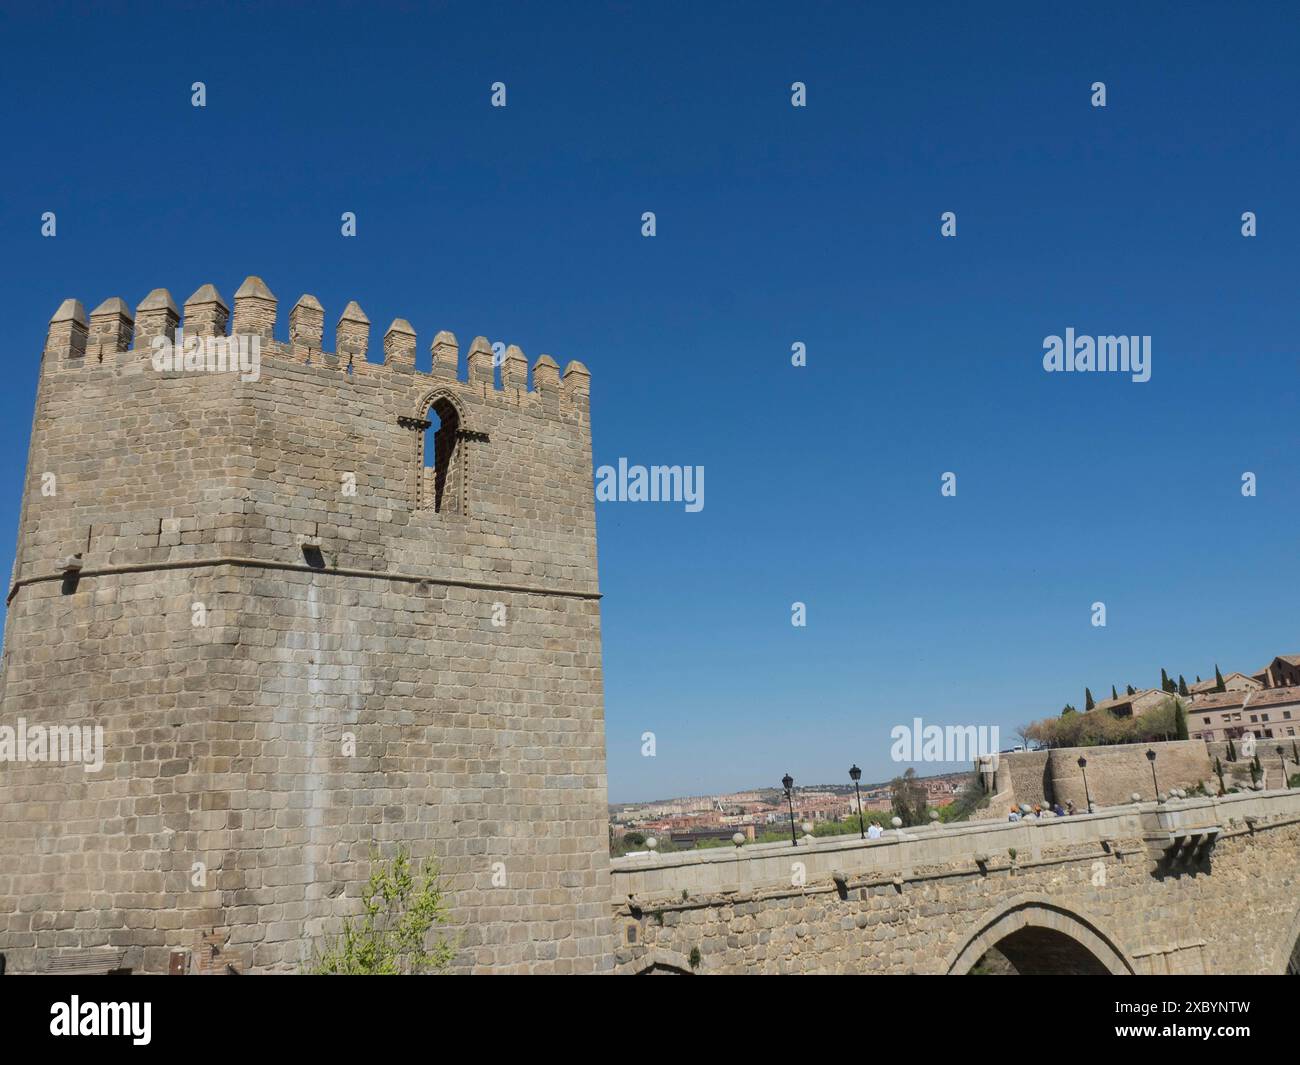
x: 399, y: 909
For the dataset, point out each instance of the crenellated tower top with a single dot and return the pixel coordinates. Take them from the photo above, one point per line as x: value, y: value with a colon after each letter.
x: 113, y: 335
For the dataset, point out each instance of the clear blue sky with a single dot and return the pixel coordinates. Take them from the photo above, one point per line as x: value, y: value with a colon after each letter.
x: 775, y: 225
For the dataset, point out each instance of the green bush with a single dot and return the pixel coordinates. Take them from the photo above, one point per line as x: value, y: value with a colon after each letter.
x: 1100, y: 727
x: 399, y: 909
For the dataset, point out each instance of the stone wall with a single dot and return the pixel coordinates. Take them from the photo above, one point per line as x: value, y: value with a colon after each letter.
x: 1115, y: 772
x: 1236, y: 774
x: 429, y: 678
x: 1025, y: 775
x: 1191, y: 886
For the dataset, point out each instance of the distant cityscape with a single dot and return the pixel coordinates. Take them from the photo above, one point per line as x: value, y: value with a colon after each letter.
x: 688, y: 821
x: 1265, y: 703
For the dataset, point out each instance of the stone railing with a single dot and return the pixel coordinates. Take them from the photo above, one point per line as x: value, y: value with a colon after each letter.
x: 1177, y: 831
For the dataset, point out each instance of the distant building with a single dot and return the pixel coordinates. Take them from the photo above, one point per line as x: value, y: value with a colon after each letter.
x: 1233, y: 682
x: 1282, y: 672
x: 1134, y: 705
x: 690, y: 839
x: 1267, y: 713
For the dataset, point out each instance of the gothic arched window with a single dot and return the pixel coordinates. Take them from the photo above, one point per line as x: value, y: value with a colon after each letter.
x: 441, y: 483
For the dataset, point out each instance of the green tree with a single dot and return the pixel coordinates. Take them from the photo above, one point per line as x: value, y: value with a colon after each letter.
x: 910, y: 799
x: 1113, y: 693
x: 1182, y: 686
x: 1232, y: 750
x: 1130, y: 690
x: 1088, y: 702
x: 970, y: 798
x: 1067, y: 709
x: 1180, y: 719
x: 1102, y: 726
x: 633, y: 839
x: 1219, y: 686
x: 1218, y: 772
x: 400, y: 907
x: 1164, y: 681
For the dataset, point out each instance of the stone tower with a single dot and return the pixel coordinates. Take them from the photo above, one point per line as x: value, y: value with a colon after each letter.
x: 319, y: 605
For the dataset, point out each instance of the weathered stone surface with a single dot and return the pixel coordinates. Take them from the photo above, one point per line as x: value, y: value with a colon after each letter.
x: 1113, y: 772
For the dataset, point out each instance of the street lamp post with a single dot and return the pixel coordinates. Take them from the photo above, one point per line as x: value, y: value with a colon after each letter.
x: 855, y: 774
x: 1087, y: 797
x: 787, y: 782
x: 1151, y: 757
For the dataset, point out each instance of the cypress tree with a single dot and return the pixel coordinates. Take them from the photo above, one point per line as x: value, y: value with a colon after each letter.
x: 1088, y: 704
x: 1182, y: 686
x: 1180, y: 720
x: 1113, y: 693
x: 1219, y: 686
x: 1164, y: 681
x: 1131, y: 690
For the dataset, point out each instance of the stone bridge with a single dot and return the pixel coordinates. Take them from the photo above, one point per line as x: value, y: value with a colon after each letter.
x: 1188, y: 886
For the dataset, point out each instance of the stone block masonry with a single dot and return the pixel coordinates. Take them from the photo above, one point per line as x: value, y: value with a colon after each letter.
x: 1115, y: 772
x: 308, y: 631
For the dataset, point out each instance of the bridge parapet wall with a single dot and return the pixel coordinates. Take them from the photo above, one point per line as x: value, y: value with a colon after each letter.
x: 1200, y: 885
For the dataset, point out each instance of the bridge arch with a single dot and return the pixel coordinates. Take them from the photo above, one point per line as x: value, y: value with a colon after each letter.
x: 1045, y: 938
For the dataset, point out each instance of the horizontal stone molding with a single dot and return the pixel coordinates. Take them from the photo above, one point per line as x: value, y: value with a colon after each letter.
x: 340, y: 571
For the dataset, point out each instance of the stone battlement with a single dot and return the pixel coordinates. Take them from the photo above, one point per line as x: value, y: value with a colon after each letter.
x: 112, y: 335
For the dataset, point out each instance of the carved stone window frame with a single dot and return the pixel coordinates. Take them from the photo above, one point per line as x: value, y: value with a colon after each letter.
x: 459, y: 490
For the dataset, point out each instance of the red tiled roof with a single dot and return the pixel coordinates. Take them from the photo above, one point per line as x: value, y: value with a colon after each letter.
x: 1263, y: 697
x: 1210, y: 685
